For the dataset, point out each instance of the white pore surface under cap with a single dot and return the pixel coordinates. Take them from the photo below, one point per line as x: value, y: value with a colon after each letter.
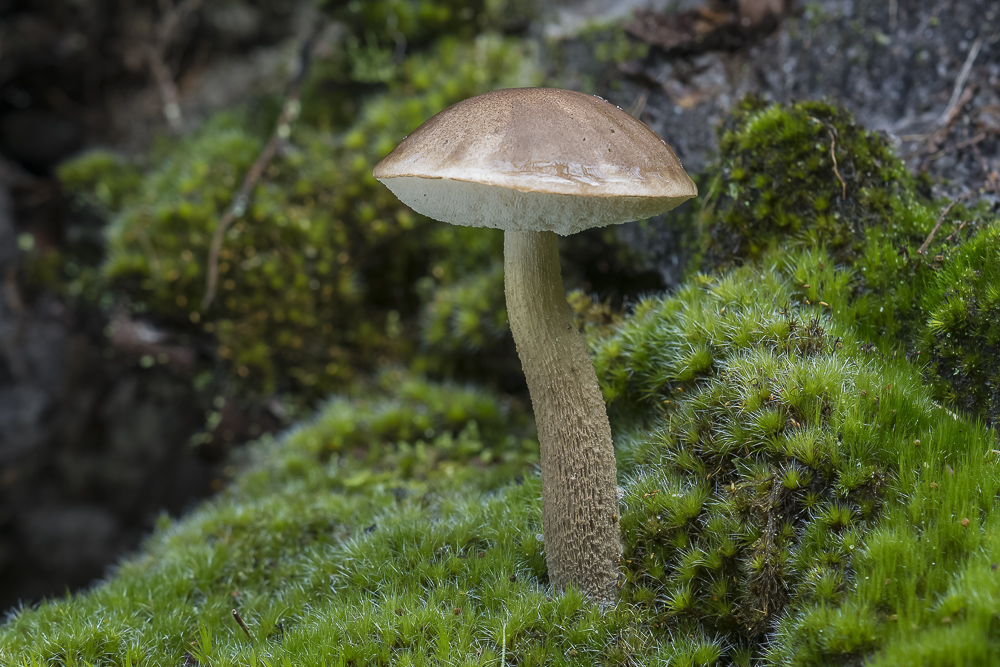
x: 479, y: 205
x: 535, y: 159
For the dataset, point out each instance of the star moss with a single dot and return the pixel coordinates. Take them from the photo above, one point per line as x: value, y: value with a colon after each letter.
x: 779, y: 469
x: 962, y: 334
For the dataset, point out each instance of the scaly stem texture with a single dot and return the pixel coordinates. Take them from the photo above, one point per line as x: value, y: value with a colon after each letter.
x: 579, y: 484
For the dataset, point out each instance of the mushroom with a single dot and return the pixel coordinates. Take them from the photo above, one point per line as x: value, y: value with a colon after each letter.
x: 537, y: 162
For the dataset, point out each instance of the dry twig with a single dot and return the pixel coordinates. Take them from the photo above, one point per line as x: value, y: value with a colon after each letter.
x: 971, y: 141
x: 927, y: 242
x: 963, y: 76
x: 171, y: 16
x: 833, y: 144
x: 833, y: 155
x: 951, y: 236
x: 243, y: 624
x: 289, y: 112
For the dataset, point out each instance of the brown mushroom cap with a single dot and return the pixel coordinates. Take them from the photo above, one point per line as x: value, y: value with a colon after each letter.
x: 538, y: 159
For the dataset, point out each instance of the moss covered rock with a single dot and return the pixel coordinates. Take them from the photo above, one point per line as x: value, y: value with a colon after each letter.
x: 803, y: 174
x: 317, y: 276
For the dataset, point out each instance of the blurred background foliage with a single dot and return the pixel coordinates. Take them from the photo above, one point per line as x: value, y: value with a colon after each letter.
x: 325, y: 276
x: 319, y: 277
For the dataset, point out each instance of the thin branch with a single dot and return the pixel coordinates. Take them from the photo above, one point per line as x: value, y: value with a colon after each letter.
x: 833, y: 155
x: 963, y: 76
x: 951, y: 236
x: 843, y: 185
x: 171, y: 17
x: 972, y: 141
x: 923, y: 246
x: 289, y: 112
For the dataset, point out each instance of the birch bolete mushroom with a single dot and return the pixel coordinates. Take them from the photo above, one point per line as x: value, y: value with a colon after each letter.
x: 537, y: 162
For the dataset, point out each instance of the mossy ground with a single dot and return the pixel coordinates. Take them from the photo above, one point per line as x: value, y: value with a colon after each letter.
x: 790, y: 496
x: 791, y: 492
x: 783, y: 450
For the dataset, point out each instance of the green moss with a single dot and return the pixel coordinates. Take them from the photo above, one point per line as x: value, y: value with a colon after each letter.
x: 962, y: 333
x: 772, y: 448
x: 595, y: 319
x: 379, y: 37
x: 107, y: 178
x: 420, y: 22
x: 790, y: 496
x: 468, y: 315
x: 804, y: 174
x: 298, y: 527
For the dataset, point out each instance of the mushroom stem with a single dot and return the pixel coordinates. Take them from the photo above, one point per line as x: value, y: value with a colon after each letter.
x: 579, y: 483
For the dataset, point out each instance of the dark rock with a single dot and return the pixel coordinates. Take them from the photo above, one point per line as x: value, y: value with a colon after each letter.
x: 896, y: 66
x: 38, y: 139
x: 92, y: 449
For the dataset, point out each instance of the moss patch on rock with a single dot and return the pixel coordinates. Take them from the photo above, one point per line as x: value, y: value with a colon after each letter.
x: 317, y: 275
x: 805, y: 175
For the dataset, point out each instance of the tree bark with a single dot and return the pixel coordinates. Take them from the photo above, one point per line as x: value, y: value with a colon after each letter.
x: 579, y: 482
